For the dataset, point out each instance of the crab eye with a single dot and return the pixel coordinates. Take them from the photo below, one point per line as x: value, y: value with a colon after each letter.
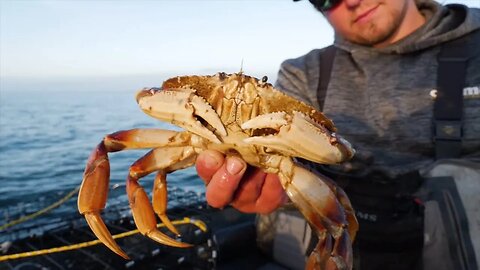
x: 264, y: 79
x: 222, y: 75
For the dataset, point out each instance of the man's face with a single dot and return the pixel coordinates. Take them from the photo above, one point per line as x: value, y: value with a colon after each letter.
x: 368, y: 22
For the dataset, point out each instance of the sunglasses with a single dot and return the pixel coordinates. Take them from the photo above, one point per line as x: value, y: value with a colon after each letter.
x: 324, y: 5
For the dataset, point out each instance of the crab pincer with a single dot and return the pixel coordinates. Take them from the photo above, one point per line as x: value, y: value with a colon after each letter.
x: 229, y: 113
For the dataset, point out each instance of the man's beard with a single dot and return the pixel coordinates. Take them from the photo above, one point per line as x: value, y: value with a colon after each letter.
x: 373, y: 33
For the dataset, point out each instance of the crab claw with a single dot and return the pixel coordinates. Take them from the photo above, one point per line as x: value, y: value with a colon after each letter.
x: 182, y: 108
x: 101, y: 232
x: 270, y: 120
x: 299, y: 135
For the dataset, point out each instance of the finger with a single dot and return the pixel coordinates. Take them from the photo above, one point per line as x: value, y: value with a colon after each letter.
x: 208, y: 163
x: 249, y: 190
x: 272, y: 195
x: 224, y: 182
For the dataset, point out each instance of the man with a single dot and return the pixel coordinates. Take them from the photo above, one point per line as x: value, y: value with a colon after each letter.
x: 379, y: 96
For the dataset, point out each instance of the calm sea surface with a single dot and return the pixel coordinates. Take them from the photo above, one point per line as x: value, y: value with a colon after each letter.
x: 46, y: 138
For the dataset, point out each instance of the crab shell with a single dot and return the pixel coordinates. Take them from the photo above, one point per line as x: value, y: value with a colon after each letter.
x: 238, y: 115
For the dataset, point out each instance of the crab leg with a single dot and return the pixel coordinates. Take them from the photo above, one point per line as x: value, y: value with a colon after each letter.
x: 163, y: 160
x: 345, y: 202
x: 93, y: 192
x: 160, y: 194
x: 320, y: 205
x: 160, y: 199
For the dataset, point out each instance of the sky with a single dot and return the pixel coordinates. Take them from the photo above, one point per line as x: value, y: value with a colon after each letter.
x: 55, y: 42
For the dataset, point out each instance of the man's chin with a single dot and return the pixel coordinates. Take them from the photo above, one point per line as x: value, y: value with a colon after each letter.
x: 372, y: 37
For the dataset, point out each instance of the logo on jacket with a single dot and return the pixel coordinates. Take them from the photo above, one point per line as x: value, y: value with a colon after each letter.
x: 468, y: 92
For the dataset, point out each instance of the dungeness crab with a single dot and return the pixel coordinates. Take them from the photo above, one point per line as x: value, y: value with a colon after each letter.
x: 238, y: 115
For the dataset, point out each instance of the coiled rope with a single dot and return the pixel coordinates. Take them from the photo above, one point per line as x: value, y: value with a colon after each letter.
x: 200, y: 224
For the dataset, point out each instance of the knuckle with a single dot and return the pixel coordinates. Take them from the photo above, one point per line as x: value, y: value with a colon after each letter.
x: 215, y: 200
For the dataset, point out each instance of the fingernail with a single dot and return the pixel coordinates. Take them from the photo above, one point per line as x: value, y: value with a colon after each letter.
x: 210, y: 161
x: 234, y: 165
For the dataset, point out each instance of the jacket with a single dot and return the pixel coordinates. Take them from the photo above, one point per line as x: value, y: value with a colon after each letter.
x: 380, y: 99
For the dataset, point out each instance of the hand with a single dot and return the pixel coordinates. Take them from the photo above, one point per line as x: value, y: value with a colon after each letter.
x: 230, y: 180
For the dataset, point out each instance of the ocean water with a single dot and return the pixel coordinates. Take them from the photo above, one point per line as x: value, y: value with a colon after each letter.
x: 47, y: 136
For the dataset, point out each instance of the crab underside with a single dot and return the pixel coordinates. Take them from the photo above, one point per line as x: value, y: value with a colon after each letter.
x: 238, y: 115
